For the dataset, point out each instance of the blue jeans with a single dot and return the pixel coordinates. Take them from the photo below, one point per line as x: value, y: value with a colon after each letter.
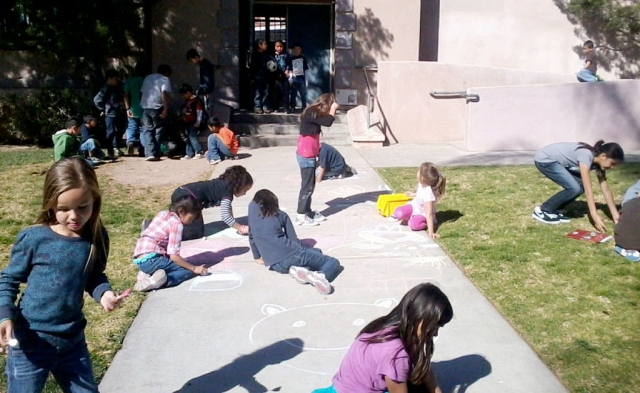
x: 112, y: 133
x: 217, y: 149
x: 308, y: 183
x: 260, y: 93
x: 27, y: 372
x: 570, y: 182
x: 175, y: 274
x: 312, y: 260
x: 298, y: 84
x: 90, y: 148
x: 585, y: 75
x: 193, y: 146
x: 133, y: 129
x: 152, y: 130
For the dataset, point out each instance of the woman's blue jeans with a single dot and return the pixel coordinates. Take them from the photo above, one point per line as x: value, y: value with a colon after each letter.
x: 312, y: 260
x: 570, y: 182
x: 27, y: 372
x: 175, y: 274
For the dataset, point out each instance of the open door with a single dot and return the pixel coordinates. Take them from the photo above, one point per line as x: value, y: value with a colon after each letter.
x: 309, y: 24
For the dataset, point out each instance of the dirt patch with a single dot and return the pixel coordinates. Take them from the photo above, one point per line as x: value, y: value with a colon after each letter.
x: 138, y: 172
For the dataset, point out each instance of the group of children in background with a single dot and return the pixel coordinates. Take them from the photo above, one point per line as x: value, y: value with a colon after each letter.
x: 278, y: 78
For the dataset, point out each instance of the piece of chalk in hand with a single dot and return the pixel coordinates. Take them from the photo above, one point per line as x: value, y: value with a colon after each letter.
x: 12, y: 342
x: 124, y: 294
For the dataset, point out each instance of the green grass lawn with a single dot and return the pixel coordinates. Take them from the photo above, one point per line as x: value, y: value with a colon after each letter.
x: 21, y: 182
x: 575, y: 302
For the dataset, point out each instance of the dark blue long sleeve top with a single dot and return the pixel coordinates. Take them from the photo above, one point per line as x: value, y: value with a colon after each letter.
x: 53, y: 266
x: 271, y: 238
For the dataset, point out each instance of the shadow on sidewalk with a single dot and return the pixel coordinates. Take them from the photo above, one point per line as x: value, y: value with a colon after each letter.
x: 210, y: 258
x: 241, y: 372
x: 456, y: 375
x: 339, y: 204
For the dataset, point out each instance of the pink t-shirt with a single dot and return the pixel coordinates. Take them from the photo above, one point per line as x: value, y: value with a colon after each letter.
x: 365, y: 365
x: 309, y: 145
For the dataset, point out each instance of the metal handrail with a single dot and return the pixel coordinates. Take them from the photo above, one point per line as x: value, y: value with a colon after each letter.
x: 455, y: 94
x: 371, y: 95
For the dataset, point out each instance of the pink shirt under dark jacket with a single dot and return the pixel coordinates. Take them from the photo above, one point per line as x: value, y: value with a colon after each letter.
x: 311, y: 123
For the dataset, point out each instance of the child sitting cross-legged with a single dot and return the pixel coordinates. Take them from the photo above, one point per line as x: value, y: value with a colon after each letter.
x: 157, y: 251
x: 274, y: 243
x: 222, y: 143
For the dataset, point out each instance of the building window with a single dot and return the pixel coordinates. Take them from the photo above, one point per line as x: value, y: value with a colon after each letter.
x: 270, y: 28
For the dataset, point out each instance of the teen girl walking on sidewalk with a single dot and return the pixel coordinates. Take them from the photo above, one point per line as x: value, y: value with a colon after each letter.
x: 61, y: 257
x: 393, y: 353
x: 569, y: 165
x: 320, y: 113
x: 274, y: 243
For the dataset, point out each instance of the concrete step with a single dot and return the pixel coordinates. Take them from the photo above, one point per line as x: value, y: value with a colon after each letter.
x: 281, y: 129
x: 257, y: 141
x: 275, y: 118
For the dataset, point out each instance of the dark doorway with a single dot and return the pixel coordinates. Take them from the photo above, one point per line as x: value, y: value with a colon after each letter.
x: 309, y: 25
x: 429, y: 30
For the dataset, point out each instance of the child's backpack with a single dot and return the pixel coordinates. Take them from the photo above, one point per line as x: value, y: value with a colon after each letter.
x: 189, y: 112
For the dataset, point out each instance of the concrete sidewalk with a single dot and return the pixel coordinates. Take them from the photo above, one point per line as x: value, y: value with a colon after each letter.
x: 247, y: 329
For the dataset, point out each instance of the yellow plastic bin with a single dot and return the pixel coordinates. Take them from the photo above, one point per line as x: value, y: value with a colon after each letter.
x: 387, y: 203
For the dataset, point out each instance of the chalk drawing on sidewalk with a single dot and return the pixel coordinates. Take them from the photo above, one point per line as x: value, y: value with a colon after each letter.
x: 228, y: 232
x: 346, y: 191
x: 217, y: 280
x: 327, y: 330
x: 388, y: 241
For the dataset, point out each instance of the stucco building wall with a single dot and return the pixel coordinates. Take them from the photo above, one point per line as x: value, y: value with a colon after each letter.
x: 531, y: 35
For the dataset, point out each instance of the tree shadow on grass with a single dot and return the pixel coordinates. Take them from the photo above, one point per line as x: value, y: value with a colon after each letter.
x: 456, y: 375
x: 241, y: 372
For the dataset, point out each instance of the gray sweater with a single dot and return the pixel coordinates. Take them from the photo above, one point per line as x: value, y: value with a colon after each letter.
x: 271, y: 238
x: 50, y: 307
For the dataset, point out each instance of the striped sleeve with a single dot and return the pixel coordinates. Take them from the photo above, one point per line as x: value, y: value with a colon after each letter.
x: 226, y: 213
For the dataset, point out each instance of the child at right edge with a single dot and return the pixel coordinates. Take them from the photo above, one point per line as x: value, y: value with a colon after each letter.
x: 421, y: 211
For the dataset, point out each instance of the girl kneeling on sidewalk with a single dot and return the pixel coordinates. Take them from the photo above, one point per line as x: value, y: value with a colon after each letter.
x: 274, y: 243
x: 157, y: 251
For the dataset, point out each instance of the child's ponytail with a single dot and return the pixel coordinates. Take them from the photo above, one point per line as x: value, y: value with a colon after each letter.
x: 610, y: 150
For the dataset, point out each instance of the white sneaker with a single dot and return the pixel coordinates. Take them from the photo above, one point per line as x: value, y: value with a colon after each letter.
x: 299, y: 274
x: 214, y: 162
x: 149, y: 283
x: 317, y: 217
x: 186, y: 158
x: 320, y: 282
x: 304, y: 220
x: 198, y: 156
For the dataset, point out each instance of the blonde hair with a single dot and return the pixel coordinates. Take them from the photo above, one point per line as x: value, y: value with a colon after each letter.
x: 69, y: 174
x: 321, y: 106
x: 430, y: 176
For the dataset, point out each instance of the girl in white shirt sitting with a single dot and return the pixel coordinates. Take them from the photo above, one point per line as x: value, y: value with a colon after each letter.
x: 421, y: 211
